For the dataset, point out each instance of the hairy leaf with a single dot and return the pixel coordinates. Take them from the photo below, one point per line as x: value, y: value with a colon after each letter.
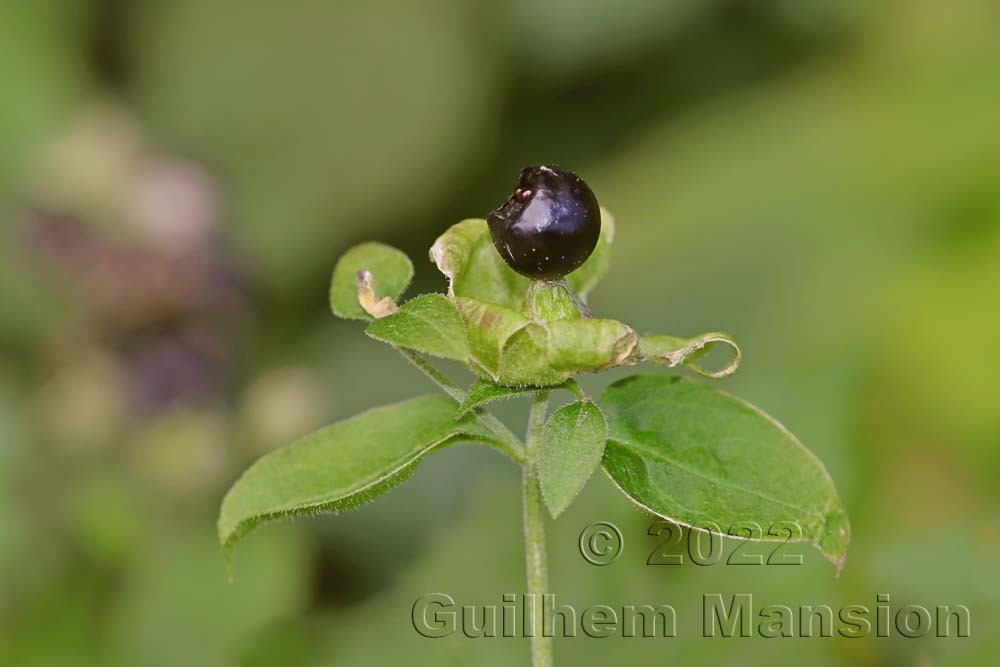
x: 572, y: 444
x: 484, y: 391
x: 691, y: 454
x: 343, y: 465
x: 429, y: 323
x: 475, y: 270
x: 587, y: 277
x: 391, y: 272
x: 673, y: 351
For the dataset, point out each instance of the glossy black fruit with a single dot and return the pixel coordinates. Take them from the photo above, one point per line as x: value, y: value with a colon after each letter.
x: 550, y: 224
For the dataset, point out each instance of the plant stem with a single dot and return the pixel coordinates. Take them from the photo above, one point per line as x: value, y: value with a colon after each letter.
x: 509, y: 443
x: 534, y: 533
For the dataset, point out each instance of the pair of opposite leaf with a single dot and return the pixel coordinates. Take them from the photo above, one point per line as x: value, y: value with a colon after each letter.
x: 504, y: 327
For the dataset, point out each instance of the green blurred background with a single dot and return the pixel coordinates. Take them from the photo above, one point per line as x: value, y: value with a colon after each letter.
x: 177, y: 179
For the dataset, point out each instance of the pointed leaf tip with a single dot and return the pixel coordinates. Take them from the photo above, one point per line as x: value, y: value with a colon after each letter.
x: 691, y: 454
x: 343, y: 465
x: 572, y: 444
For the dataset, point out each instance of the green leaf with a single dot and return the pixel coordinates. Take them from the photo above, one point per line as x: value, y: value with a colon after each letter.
x: 429, y: 323
x: 691, y: 454
x: 586, y: 278
x: 572, y: 444
x: 391, y: 272
x: 484, y: 391
x: 673, y: 351
x: 475, y: 270
x: 343, y: 465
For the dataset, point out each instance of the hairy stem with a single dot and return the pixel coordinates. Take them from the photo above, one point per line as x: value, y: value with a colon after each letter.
x: 534, y: 533
x: 506, y: 440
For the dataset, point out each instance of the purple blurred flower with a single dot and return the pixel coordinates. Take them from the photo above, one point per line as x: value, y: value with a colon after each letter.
x: 150, y: 276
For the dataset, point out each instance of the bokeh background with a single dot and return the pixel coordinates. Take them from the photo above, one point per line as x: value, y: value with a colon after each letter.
x: 177, y: 179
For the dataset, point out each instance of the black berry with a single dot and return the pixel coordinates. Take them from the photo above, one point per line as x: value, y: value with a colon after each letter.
x: 549, y: 226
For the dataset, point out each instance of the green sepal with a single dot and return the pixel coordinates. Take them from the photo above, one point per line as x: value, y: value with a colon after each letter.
x: 550, y: 301
x: 466, y: 256
x: 514, y: 351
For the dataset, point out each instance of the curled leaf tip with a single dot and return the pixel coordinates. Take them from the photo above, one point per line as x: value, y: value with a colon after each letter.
x: 673, y: 351
x: 377, y: 308
x: 437, y: 253
x: 625, y: 346
x: 608, y: 221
